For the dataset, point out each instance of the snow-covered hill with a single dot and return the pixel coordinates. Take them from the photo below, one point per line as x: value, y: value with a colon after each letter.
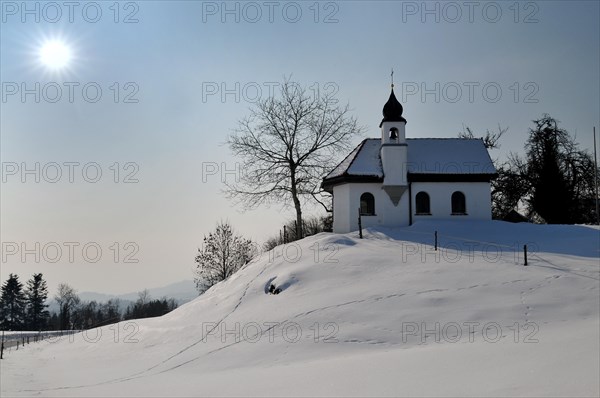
x: 385, y: 315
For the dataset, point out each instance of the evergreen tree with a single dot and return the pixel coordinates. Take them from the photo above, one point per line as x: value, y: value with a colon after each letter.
x: 36, y: 295
x: 54, y: 322
x: 12, y: 304
x: 560, y: 175
x: 553, y: 182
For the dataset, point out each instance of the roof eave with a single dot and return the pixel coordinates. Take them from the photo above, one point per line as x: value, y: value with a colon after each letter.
x: 329, y: 183
x: 433, y: 177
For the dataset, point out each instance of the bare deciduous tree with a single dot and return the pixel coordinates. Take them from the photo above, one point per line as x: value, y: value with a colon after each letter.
x: 287, y: 144
x: 67, y: 299
x: 143, y: 297
x: 223, y: 254
x: 506, y: 189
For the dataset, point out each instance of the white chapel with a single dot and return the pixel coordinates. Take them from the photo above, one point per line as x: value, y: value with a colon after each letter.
x: 395, y: 181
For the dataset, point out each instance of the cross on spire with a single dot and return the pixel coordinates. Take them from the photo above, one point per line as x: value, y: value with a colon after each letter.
x: 392, y: 76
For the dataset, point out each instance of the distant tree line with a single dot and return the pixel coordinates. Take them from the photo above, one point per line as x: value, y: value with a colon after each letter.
x: 145, y: 307
x: 25, y: 308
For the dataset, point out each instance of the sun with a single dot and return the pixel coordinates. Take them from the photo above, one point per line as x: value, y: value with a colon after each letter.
x: 55, y: 54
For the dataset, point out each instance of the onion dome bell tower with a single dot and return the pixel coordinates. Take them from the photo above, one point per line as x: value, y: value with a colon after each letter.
x: 394, y: 150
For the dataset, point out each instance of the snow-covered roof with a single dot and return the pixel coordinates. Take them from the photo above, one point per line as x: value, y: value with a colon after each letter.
x: 426, y: 156
x: 448, y: 156
x: 364, y: 160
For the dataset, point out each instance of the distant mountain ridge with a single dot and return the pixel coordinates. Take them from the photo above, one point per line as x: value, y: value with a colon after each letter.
x: 182, y: 292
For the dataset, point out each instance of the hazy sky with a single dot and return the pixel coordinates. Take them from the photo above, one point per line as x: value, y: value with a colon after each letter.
x: 153, y: 88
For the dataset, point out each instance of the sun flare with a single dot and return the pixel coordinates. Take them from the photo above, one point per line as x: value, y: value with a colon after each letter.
x: 55, y: 54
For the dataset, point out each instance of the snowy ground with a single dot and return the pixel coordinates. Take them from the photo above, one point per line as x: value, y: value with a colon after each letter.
x: 386, y: 315
x: 14, y: 340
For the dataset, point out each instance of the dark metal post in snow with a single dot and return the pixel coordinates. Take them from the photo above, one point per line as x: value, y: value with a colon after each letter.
x: 284, y: 234
x: 525, y: 253
x: 435, y: 235
x: 2, y: 346
x: 596, y: 178
x: 296, y: 230
x: 359, y: 225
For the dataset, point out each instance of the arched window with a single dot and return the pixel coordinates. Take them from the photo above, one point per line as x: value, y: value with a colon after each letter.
x: 393, y: 133
x: 459, y: 205
x: 422, y: 200
x: 367, y: 204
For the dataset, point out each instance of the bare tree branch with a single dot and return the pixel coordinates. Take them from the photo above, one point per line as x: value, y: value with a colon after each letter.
x: 490, y: 140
